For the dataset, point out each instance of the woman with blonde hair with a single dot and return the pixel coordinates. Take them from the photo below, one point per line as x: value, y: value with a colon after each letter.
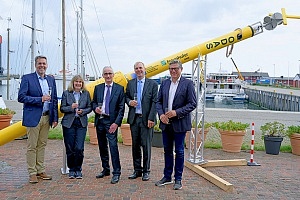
x: 75, y: 104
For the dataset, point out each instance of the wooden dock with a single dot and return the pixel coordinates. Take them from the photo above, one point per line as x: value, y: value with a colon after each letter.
x: 278, y: 99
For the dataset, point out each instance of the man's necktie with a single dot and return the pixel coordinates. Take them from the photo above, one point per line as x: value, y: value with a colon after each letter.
x: 107, y: 98
x: 139, y: 94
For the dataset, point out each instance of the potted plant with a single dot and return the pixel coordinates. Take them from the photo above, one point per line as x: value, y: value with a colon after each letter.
x: 232, y: 134
x: 207, y: 127
x: 272, y: 134
x: 6, y: 115
x: 293, y: 132
x: 126, y: 133
x: 157, y: 136
x: 92, y: 129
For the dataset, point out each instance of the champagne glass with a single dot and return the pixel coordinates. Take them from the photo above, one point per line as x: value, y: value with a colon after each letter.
x: 100, y: 107
x: 135, y: 96
x: 49, y: 93
x: 76, y: 101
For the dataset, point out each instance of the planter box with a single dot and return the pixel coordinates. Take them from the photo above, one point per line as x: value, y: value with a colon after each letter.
x: 5, y: 121
x: 126, y: 134
x: 92, y: 133
x: 157, y: 140
x: 295, y: 143
x: 187, y: 137
x: 232, y: 140
x: 272, y: 144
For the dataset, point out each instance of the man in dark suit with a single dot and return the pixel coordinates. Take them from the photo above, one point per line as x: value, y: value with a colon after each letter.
x: 109, y: 105
x: 142, y: 118
x: 176, y: 100
x: 40, y: 111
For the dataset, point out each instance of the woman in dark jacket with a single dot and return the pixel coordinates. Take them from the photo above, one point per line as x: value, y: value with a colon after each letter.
x: 75, y: 104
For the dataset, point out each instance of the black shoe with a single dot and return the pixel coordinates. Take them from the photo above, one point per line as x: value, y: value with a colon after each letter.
x: 177, y: 185
x: 115, y: 179
x: 102, y: 174
x: 135, y: 175
x: 163, y: 181
x: 145, y: 176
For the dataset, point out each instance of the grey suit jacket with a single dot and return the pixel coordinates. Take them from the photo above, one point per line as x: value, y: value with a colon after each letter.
x: 69, y: 113
x: 149, y: 99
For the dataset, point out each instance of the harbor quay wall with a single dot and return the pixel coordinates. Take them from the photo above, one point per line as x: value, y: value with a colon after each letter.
x: 271, y: 98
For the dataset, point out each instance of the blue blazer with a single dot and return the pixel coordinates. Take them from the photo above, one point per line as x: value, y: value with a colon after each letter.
x: 30, y: 94
x: 149, y: 98
x: 116, y: 103
x: 184, y: 103
x: 69, y: 113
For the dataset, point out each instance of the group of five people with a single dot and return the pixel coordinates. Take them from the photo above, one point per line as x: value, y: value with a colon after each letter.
x: 173, y: 102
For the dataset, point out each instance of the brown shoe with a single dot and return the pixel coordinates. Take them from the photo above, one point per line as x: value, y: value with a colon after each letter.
x: 33, y: 179
x: 44, y: 176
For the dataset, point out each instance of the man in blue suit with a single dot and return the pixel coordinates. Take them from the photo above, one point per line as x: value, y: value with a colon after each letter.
x: 141, y: 117
x: 40, y: 111
x: 109, y: 106
x: 175, y: 102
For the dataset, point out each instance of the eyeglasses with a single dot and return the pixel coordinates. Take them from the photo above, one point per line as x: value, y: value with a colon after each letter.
x: 108, y: 74
x: 174, y: 69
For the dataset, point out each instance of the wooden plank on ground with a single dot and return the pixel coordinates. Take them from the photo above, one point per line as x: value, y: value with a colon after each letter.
x: 221, y: 183
x: 222, y: 163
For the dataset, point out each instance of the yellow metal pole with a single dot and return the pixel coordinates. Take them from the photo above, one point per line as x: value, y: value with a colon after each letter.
x: 192, y: 53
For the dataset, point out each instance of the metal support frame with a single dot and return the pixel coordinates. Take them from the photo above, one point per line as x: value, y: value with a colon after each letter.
x: 195, y: 154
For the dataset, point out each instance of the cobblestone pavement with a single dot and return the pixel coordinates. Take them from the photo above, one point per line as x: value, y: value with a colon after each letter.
x: 276, y: 178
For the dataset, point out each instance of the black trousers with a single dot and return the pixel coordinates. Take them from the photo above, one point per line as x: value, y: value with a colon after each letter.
x: 141, y: 142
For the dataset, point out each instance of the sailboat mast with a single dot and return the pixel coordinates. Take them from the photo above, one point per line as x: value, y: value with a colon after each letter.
x: 8, y: 60
x: 77, y: 47
x: 82, y: 61
x: 64, y: 44
x: 33, y: 36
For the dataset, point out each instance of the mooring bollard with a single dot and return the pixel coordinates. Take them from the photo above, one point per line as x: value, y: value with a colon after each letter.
x: 251, y: 162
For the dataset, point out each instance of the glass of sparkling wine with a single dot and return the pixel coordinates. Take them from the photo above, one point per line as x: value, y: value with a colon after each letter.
x: 100, y: 107
x: 77, y: 105
x: 135, y: 96
x: 49, y: 93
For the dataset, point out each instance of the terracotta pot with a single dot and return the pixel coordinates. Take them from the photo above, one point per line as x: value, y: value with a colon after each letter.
x: 295, y: 143
x: 92, y: 133
x: 232, y: 140
x: 126, y: 134
x: 187, y: 137
x: 5, y: 121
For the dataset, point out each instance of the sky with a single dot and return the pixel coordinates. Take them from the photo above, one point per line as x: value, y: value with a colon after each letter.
x: 119, y: 33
